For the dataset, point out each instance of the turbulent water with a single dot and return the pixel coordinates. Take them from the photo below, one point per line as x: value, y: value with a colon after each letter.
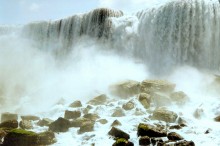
x: 80, y: 56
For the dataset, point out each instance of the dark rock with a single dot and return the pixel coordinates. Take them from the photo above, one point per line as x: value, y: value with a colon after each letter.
x: 174, y: 136
x: 103, y: 121
x: 117, y: 133
x: 8, y: 116
x: 123, y: 142
x: 149, y: 130
x: 118, y: 113
x: 185, y: 143
x: 25, y: 124
x: 76, y: 104
x: 19, y: 137
x: 116, y: 123
x: 92, y: 117
x: 125, y: 89
x: 72, y: 114
x: 86, y: 127
x: 2, y: 134
x: 128, y: 106
x: 79, y: 122
x: 9, y: 124
x: 217, y: 119
x: 145, y: 140
x: 155, y: 141
x: 44, y: 122
x: 99, y: 100
x: 145, y: 99
x: 164, y: 115
x: 30, y: 118
x: 175, y: 127
x: 60, y: 125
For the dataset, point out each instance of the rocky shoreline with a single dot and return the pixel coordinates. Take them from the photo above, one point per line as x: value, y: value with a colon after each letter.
x: 159, y: 125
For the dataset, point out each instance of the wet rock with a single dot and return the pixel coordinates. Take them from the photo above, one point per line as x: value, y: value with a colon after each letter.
x: 25, y: 124
x: 177, y: 127
x: 145, y: 99
x: 161, y: 99
x: 30, y: 118
x: 217, y: 119
x: 72, y: 114
x: 174, y: 136
x: 103, y: 121
x: 60, y: 125
x: 185, y: 143
x: 11, y: 124
x: 157, y: 141
x: 179, y: 97
x: 145, y: 140
x: 117, y: 133
x: 128, y: 106
x: 123, y: 142
x: 164, y: 115
x: 92, y: 117
x: 116, y: 123
x: 151, y: 86
x: 79, y: 122
x: 99, y: 100
x: 86, y: 127
x: 2, y: 134
x: 118, y: 113
x: 8, y: 116
x: 151, y: 131
x: 76, y: 104
x: 125, y: 89
x: 44, y: 122
x: 19, y: 137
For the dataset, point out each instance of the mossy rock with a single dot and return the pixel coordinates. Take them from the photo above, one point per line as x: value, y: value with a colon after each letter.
x: 122, y: 142
x: 151, y: 131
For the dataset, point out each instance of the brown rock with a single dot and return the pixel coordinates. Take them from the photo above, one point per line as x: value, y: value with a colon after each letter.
x: 60, y: 125
x: 79, y: 122
x: 145, y: 99
x: 92, y: 117
x: 185, y: 143
x: 76, y: 104
x: 118, y: 113
x: 72, y: 114
x: 128, y: 106
x: 25, y: 124
x: 44, y: 122
x: 179, y: 97
x: 174, y: 136
x: 103, y: 121
x: 123, y: 142
x: 8, y: 116
x: 30, y: 118
x: 116, y: 123
x: 117, y: 133
x: 9, y: 124
x: 164, y: 115
x: 86, y: 127
x: 99, y: 100
x: 149, y: 130
x: 145, y: 140
x: 217, y: 119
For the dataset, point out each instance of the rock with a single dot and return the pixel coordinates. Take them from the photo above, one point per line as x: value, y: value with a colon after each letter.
x: 19, y: 137
x: 30, y: 118
x: 72, y: 114
x: 3, y: 133
x: 145, y: 99
x: 11, y: 124
x: 198, y: 113
x: 155, y: 141
x: 125, y: 89
x: 92, y: 117
x: 179, y: 97
x: 123, y: 142
x: 175, y: 127
x: 217, y: 119
x: 174, y: 136
x: 86, y: 127
x: 78, y: 122
x: 116, y: 123
x: 44, y: 122
x: 117, y: 133
x: 99, y: 100
x: 151, y: 86
x: 185, y: 143
x: 128, y: 106
x: 76, y: 104
x: 118, y: 113
x: 60, y: 125
x: 149, y: 130
x: 161, y: 99
x: 8, y: 116
x: 103, y: 121
x: 25, y: 124
x: 164, y: 115
x: 145, y: 140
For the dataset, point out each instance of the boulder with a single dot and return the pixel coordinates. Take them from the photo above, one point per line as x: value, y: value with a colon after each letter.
x: 8, y: 116
x: 150, y: 131
x: 92, y: 117
x: 145, y: 99
x: 164, y: 115
x: 72, y: 114
x: 118, y: 113
x: 60, y: 125
x: 99, y: 100
x: 128, y: 106
x: 217, y: 119
x: 151, y: 86
x: 174, y: 136
x: 86, y: 127
x: 44, y: 122
x: 25, y: 124
x: 125, y: 89
x: 117, y: 133
x: 76, y: 104
x: 144, y: 140
x: 30, y: 118
x: 19, y: 137
x: 103, y: 121
x: 179, y: 97
x: 116, y: 123
x: 79, y: 122
x: 161, y: 99
x: 123, y: 142
x: 185, y: 143
x: 11, y: 124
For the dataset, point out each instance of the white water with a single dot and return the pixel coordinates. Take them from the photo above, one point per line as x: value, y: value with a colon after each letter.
x: 78, y: 58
